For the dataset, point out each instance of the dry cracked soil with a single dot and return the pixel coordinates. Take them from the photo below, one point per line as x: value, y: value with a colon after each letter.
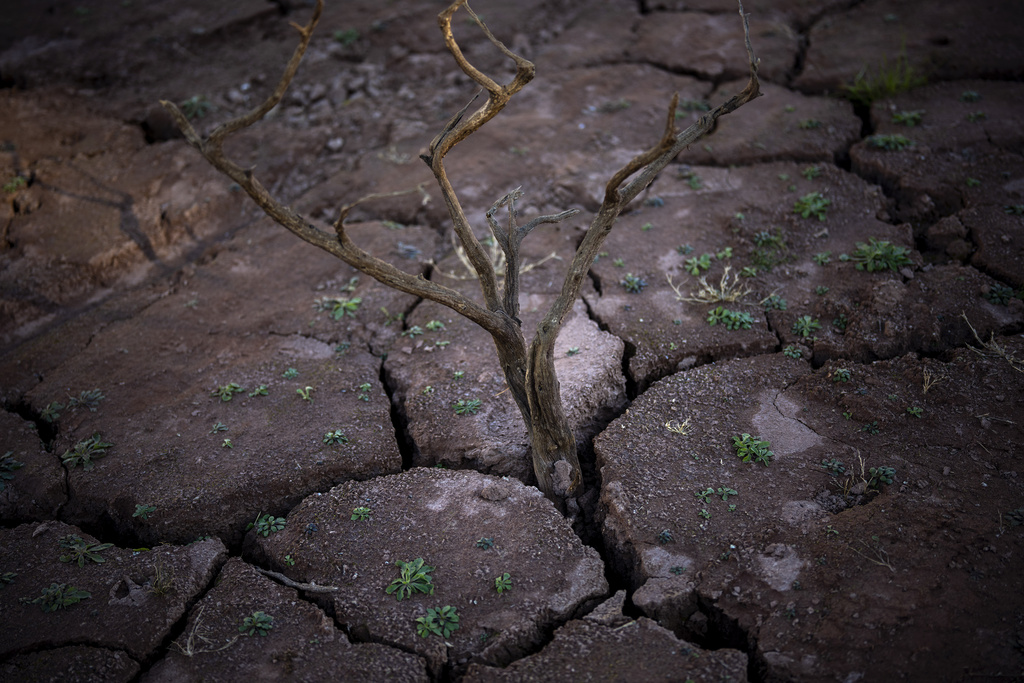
x: 796, y: 372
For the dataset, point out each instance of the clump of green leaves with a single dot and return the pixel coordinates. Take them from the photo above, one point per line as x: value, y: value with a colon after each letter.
x: 870, y: 427
x: 634, y: 284
x: 227, y: 391
x: 999, y: 294
x: 878, y: 255
x: 696, y: 264
x: 665, y: 537
x: 792, y: 351
x: 890, y: 143
x: 346, y: 37
x: 79, y: 550
x: 841, y: 375
x: 85, y: 452
x: 14, y: 184
x: 59, y: 596
x: 809, y: 124
x: 414, y: 578
x: 51, y: 413
x: 908, y: 118
x: 1014, y: 209
x: 805, y: 326
x: 338, y: 307
x: 840, y: 322
x: 267, y: 524
x: 196, y: 106
x: 834, y: 466
x: 753, y: 449
x: 143, y: 511
x: 257, y: 623
x: 7, y: 467
x: 7, y: 577
x: 290, y: 373
x: 305, y: 393
x: 774, y: 301
x: 462, y: 406
x: 877, y: 476
x: 335, y: 437
x: 811, y: 172
x: 812, y: 204
x: 360, y: 514
x: 823, y: 258
x: 503, y: 583
x: 915, y: 411
x: 485, y: 543
x: 413, y: 332
x: 732, y: 320
x: 439, y: 622
x: 86, y: 399
x: 887, y: 80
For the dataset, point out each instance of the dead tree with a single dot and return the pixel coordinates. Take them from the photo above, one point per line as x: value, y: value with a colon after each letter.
x: 528, y: 368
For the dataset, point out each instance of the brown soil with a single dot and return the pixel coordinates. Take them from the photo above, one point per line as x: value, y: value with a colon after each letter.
x: 281, y: 431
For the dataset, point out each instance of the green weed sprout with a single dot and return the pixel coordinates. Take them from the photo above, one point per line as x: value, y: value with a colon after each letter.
x: 634, y: 284
x: 439, y: 622
x: 753, y: 449
x: 360, y: 514
x: 7, y: 467
x: 335, y: 437
x: 414, y: 578
x: 462, y: 406
x: 878, y: 255
x: 80, y: 550
x: 485, y: 543
x: 267, y: 524
x: 877, y: 476
x: 86, y: 399
x: 143, y: 511
x: 59, y: 596
x: 805, y: 326
x: 731, y: 320
x: 890, y: 143
x: 227, y: 391
x: 503, y: 583
x: 812, y: 204
x: 85, y: 452
x: 257, y: 623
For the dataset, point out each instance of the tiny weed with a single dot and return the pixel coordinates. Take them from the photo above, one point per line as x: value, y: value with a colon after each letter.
x: 732, y: 320
x: 773, y: 302
x: 812, y: 204
x: 267, y: 524
x: 877, y: 476
x: 346, y: 37
x: 414, y: 578
x: 503, y: 583
x: 890, y: 143
x: 144, y: 511
x: 677, y: 570
x: 656, y: 202
x: 695, y: 265
x: 305, y: 393
x: 633, y: 283
x: 85, y: 452
x: 439, y: 622
x: 976, y: 116
x: 14, y: 184
x: 257, y: 623
x: 59, y: 596
x: 725, y: 492
x: 86, y: 399
x: 753, y: 449
x: 878, y: 255
x: 841, y: 375
x: 338, y: 307
x: 908, y: 118
x: 805, y: 326
x: 219, y: 427
x: 227, y: 391
x: 51, y: 413
x: 485, y: 543
x: 834, y: 466
x: 462, y: 406
x: 335, y: 437
x: 227, y: 444
x: 364, y: 391
x: 821, y: 290
x: 870, y: 427
x: 841, y: 322
x: 572, y: 351
x: 360, y: 514
x: 458, y: 374
x: 915, y: 411
x: 646, y: 227
x: 413, y: 332
x: 196, y: 106
x: 619, y: 263
x: 793, y: 351
x: 290, y: 373
x: 80, y: 550
x: 1014, y: 209
x: 702, y: 494
x: 1016, y: 517
x: 887, y: 80
x: 725, y: 253
x: 704, y: 513
x: 809, y: 124
x: 973, y: 182
x: 823, y: 258
x: 665, y: 537
x: 435, y: 325
x: 999, y: 294
x: 970, y: 96
x: 289, y: 560
x: 687, y: 249
x: 261, y: 390
x: 7, y: 467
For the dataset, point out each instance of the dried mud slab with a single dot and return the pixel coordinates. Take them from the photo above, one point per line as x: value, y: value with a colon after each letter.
x: 301, y: 643
x: 32, y: 481
x: 69, y: 663
x: 135, y: 596
x: 816, y: 553
x: 607, y: 646
x: 471, y: 528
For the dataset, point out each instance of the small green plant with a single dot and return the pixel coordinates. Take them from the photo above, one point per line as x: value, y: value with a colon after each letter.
x: 696, y: 264
x: 59, y: 596
x: 693, y: 181
x: 805, y: 326
x: 226, y: 443
x: 85, y: 452
x: 79, y: 550
x: 634, y: 284
x: 823, y: 258
x: 503, y: 583
x: 335, y: 437
x: 485, y: 543
x: 1016, y: 517
x: 704, y: 513
x: 458, y: 374
x: 841, y: 375
x: 619, y: 263
x: 51, y: 413
x: 143, y: 511
x: 725, y: 492
x: 793, y: 351
x: 364, y: 391
x: 847, y: 416
x: 665, y: 537
x: 809, y: 124
x: 439, y: 622
x: 973, y: 182
x: 360, y: 514
x: 86, y: 399
x: 196, y: 106
x: 841, y: 322
x: 7, y: 467
x: 725, y: 253
x: 227, y: 391
x: 890, y: 143
x: 261, y: 390
x: 999, y: 294
x: 878, y: 255
x: 774, y: 301
x: 290, y: 373
x: 915, y: 411
x: 812, y: 204
x: 218, y: 427
x: 305, y: 393
x: 257, y: 623
x: 879, y: 476
x: 346, y: 37
x: 753, y: 449
x: 870, y: 427
x: 970, y: 96
x: 887, y: 80
x: 702, y: 494
x: 435, y: 325
x: 413, y: 332
x: 414, y: 578
x: 289, y: 560
x: 731, y: 320
x: 267, y: 524
x: 1014, y: 209
x: 14, y: 184
x: 821, y: 290
x: 908, y: 118
x: 7, y: 577
x: 338, y: 307
x: 646, y: 227
x: 677, y: 570
x: 834, y: 466
x: 462, y: 406
x: 685, y: 249
x: 572, y: 351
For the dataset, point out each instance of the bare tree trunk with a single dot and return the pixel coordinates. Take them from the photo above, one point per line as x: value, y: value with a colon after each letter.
x: 529, y: 371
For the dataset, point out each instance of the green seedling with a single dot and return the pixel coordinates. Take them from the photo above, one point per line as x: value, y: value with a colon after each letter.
x: 458, y: 374
x: 485, y: 543
x: 970, y: 96
x: 976, y: 116
x: 847, y: 416
x: 812, y: 204
x: 86, y: 399
x: 462, y: 406
x: 85, y: 452
x: 427, y: 390
x: 890, y: 143
x: 572, y: 351
x: 841, y: 375
x: 703, y: 494
x: 684, y: 249
x: 748, y: 271
x: 646, y: 227
x: 14, y: 184
x: 346, y: 37
x: 877, y: 476
x: 1016, y: 517
x: 289, y: 560
x: 335, y: 437
x: 753, y: 449
x: 805, y: 326
x: 227, y: 391
x: 503, y: 583
x: 823, y: 258
x: 731, y: 320
x: 338, y: 307
x: 7, y: 467
x: 261, y: 390
x: 226, y: 443
x: 51, y: 413
x: 196, y: 107
x: 840, y: 322
x: 267, y: 524
x: 677, y: 570
x: 999, y: 294
x: 793, y: 351
x: 435, y: 325
x: 619, y: 263
x: 1014, y: 209
x: 219, y: 427
x: 870, y: 427
x: 364, y: 391
x: 257, y: 623
x: 290, y: 373
x: 414, y: 578
x: 809, y: 124
x: 887, y: 80
x: 413, y: 332
x: 821, y: 290
x: 704, y: 513
x: 439, y: 622
x: 79, y: 550
x: 360, y: 514
x: 305, y: 393
x: 725, y: 253
x: 878, y: 255
x: 973, y: 182
x: 915, y: 411
x: 665, y: 537
x: 144, y: 511
x: 774, y: 302
x: 59, y: 596
x: 634, y: 284
x: 834, y: 466
x: 725, y: 492
x: 908, y: 118
x: 696, y: 264
x: 7, y: 577
x: 656, y: 202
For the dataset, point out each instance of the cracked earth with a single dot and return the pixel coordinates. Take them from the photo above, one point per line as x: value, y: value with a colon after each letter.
x: 272, y: 432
